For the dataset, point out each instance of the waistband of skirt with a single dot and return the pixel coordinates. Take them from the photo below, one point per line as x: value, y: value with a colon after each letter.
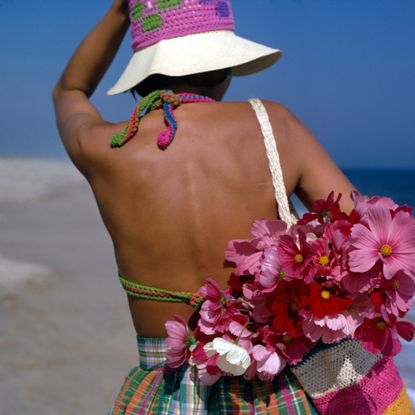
x: 151, y: 351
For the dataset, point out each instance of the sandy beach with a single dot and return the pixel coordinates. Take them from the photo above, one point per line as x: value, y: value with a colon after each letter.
x: 66, y: 340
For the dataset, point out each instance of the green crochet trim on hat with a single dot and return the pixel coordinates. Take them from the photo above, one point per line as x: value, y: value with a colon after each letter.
x: 168, y: 4
x: 152, y: 22
x: 137, y: 11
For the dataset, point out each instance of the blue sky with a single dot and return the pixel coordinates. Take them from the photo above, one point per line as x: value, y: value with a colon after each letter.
x: 347, y: 72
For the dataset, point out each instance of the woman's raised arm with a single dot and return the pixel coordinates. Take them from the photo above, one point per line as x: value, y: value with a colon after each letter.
x: 75, y: 114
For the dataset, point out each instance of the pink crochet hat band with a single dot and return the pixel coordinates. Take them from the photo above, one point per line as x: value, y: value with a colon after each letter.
x: 155, y: 20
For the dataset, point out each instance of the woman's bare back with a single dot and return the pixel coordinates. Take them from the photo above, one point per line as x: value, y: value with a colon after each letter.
x: 171, y: 213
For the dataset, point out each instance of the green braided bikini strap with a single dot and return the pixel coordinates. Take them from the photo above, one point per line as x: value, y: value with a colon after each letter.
x: 145, y: 292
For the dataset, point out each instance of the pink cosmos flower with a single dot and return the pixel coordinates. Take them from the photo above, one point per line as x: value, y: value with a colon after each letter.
x: 215, y: 309
x: 179, y: 342
x: 239, y: 328
x: 331, y: 328
x: 271, y: 271
x: 267, y: 233
x: 296, y: 260
x: 356, y: 282
x: 399, y: 292
x: 338, y: 233
x: 365, y: 203
x: 386, y: 239
x: 245, y: 255
x: 291, y: 348
x: 325, y: 259
x: 257, y: 302
x: 269, y: 362
x: 377, y: 335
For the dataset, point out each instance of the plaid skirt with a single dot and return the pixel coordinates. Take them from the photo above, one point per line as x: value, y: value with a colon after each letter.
x: 150, y: 388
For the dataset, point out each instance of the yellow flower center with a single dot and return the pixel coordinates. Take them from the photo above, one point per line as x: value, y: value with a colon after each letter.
x: 281, y: 275
x: 395, y: 284
x: 298, y: 259
x: 381, y: 325
x: 324, y: 260
x: 325, y: 295
x: 286, y: 338
x: 385, y: 250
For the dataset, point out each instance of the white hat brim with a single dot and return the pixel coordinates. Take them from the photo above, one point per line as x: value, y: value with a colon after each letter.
x: 191, y: 54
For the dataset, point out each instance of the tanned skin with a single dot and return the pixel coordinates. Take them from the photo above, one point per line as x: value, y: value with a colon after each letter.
x: 171, y: 213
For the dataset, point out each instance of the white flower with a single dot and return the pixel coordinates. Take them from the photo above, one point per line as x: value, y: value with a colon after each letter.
x: 232, y: 358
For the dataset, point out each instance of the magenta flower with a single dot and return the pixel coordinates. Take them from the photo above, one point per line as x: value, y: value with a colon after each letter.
x: 207, y: 368
x: 325, y: 260
x: 245, y: 255
x: 257, y: 302
x: 377, y: 335
x: 179, y: 342
x: 406, y: 330
x: 399, y: 292
x: 386, y: 239
x: 267, y: 233
x: 355, y: 282
x: 216, y: 310
x: 295, y: 348
x: 291, y: 348
x: 297, y: 260
x: 338, y: 233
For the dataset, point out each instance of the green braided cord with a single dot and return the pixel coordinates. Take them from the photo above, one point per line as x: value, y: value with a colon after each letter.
x: 149, y: 103
x: 149, y: 100
x: 117, y: 139
x: 146, y: 292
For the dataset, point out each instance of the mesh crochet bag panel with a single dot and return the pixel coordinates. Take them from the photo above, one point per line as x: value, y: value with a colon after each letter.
x: 344, y: 378
x: 155, y: 20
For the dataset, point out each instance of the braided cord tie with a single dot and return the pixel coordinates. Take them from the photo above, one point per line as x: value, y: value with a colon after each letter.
x: 145, y: 292
x: 168, y: 101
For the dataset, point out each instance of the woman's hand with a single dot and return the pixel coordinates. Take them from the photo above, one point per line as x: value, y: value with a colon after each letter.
x: 121, y: 5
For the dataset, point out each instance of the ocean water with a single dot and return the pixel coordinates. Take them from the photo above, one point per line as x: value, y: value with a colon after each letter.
x: 396, y: 184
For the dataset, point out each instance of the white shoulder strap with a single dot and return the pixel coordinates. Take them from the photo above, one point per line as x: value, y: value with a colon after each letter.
x: 273, y: 161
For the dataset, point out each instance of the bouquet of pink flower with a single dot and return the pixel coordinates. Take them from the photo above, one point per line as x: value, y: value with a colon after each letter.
x: 329, y: 277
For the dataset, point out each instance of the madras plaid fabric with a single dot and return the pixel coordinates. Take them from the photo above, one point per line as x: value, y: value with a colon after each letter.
x: 344, y: 378
x: 151, y: 388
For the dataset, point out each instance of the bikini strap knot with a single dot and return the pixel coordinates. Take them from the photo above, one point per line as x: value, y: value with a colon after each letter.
x: 168, y: 96
x: 165, y: 99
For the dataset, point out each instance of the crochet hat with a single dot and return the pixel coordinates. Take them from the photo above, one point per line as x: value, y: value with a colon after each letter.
x: 183, y: 37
